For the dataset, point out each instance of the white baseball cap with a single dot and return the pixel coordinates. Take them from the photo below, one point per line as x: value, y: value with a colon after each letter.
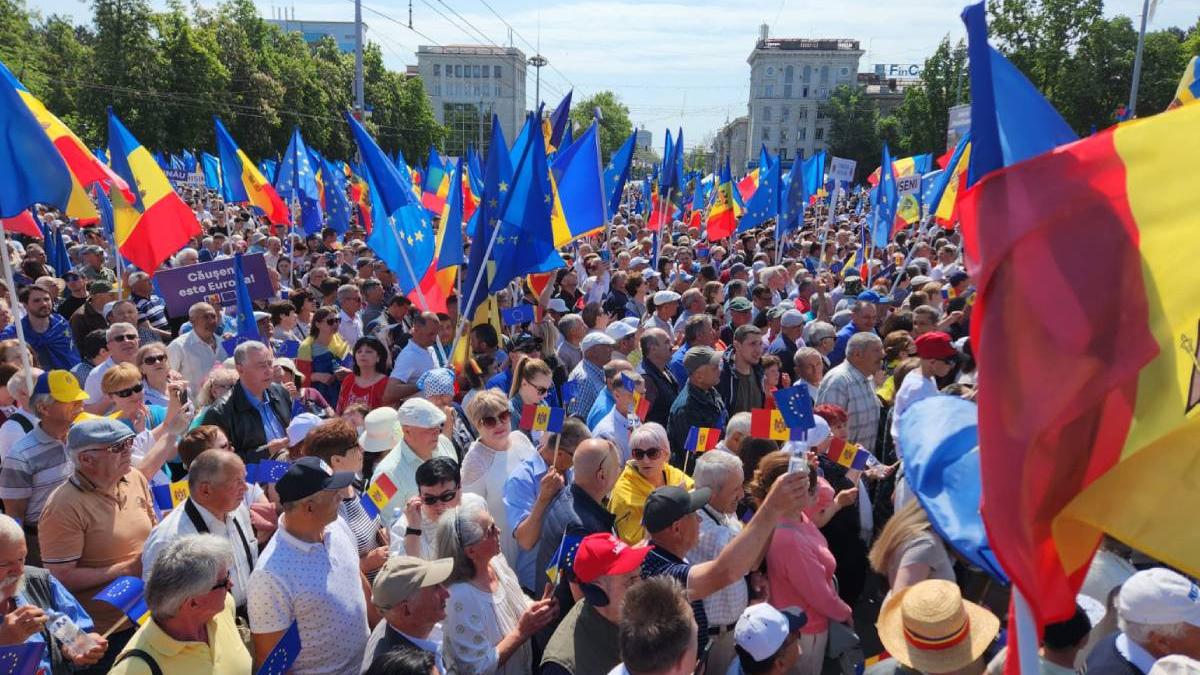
x: 762, y: 630
x: 595, y: 339
x: 299, y: 427
x: 619, y: 330
x: 557, y: 305
x: 420, y: 413
x: 1159, y: 596
x: 815, y: 437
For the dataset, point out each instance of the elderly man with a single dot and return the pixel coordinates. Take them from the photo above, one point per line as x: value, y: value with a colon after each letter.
x: 192, y: 628
x: 625, y: 338
x: 309, y: 574
x: 810, y: 368
x: 93, y: 267
x: 740, y: 313
x: 421, y: 425
x: 699, y: 331
x: 151, y: 308
x: 670, y: 519
x: 411, y: 595
x: 862, y: 320
x: 791, y: 327
x: 741, y: 383
x: 46, y: 332
x: 588, y: 376
x: 38, y: 463
x: 692, y: 302
x: 1158, y: 611
x: 625, y: 388
x: 666, y: 304
x: 27, y: 597
x: 350, y: 302
x: 737, y: 430
x: 197, y: 352
x: 21, y: 418
x: 258, y: 410
x: 90, y: 316
x: 414, y: 360
x: 531, y: 489
x: 698, y: 405
x: 572, y: 328
x: 851, y: 386
x: 372, y: 298
x: 215, y: 505
x: 662, y: 387
x: 821, y: 336
x: 95, y: 525
x: 721, y: 473
x: 585, y: 642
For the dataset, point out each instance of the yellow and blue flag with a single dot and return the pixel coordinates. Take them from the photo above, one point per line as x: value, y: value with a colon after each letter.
x: 796, y: 406
x: 211, y: 166
x: 702, y: 439
x: 541, y: 418
x: 563, y: 562
x: 579, y: 181
x: 496, y: 178
x: 557, y: 124
x: 1189, y: 85
x: 170, y: 496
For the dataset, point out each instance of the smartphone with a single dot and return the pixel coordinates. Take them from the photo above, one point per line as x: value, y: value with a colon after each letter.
x: 605, y: 254
x: 183, y: 396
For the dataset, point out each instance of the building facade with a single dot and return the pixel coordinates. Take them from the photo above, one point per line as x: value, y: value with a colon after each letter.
x: 467, y: 84
x: 342, y: 32
x: 790, y: 79
x: 644, y: 139
x: 733, y: 141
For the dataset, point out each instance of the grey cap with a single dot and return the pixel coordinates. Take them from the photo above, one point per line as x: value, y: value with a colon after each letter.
x: 792, y: 318
x: 418, y: 412
x: 96, y: 433
x: 700, y: 356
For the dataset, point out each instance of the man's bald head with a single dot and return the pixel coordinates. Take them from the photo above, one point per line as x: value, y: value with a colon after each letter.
x: 597, y: 465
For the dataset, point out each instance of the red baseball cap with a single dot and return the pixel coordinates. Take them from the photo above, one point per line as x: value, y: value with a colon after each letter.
x: 935, y: 345
x: 603, y: 554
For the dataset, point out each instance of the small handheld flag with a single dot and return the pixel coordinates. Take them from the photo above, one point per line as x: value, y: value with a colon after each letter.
x: 167, y: 497
x: 284, y: 654
x: 542, y: 418
x: 770, y: 424
x: 22, y: 659
x: 849, y: 455
x: 702, y: 439
x: 378, y: 494
x: 796, y: 406
x: 564, y: 557
x: 128, y: 595
x: 641, y: 406
x: 266, y: 471
x: 517, y: 315
x: 289, y: 349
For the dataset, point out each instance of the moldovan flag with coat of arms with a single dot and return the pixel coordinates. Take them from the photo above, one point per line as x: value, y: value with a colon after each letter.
x: 1089, y: 409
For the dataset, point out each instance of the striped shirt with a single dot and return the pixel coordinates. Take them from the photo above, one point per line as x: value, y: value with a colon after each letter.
x: 36, y: 465
x: 847, y: 387
x: 153, y: 309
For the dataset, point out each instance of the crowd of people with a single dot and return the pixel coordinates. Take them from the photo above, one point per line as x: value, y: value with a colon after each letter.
x: 417, y: 526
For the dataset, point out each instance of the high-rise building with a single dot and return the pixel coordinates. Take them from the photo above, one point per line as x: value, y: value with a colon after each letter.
x: 467, y: 84
x: 790, y: 79
x: 644, y: 139
x: 342, y: 32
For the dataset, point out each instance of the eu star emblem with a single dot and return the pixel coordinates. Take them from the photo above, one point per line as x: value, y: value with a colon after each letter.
x: 796, y: 406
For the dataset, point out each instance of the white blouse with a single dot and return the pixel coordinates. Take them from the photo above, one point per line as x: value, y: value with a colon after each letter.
x: 476, y: 622
x: 484, y: 472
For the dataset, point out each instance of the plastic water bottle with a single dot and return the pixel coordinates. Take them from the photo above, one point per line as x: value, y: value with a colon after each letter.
x: 798, y: 462
x: 74, y: 640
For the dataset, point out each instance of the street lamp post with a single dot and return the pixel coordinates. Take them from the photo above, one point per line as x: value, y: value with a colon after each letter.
x: 537, y: 61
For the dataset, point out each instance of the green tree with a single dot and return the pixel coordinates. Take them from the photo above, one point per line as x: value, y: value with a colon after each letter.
x: 72, y: 55
x: 127, y: 70
x: 18, y: 48
x: 194, y: 75
x: 1038, y: 36
x: 853, y: 127
x: 615, y: 126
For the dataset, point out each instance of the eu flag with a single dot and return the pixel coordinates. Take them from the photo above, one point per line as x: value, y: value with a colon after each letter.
x: 580, y: 187
x: 22, y: 659
x: 337, y: 206
x: 284, y: 654
x: 266, y: 471
x: 764, y: 203
x: 531, y: 214
x: 496, y: 178
x: 564, y: 557
x: 519, y: 314
x: 34, y: 172
x: 297, y: 179
x: 796, y: 406
x: 883, y: 207
x: 128, y: 595
x: 247, y: 327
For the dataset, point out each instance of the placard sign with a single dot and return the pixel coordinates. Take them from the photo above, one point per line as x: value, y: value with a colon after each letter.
x: 211, y: 281
x: 842, y: 170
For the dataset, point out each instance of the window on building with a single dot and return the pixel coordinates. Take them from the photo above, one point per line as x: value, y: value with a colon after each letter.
x: 821, y: 113
x: 769, y: 91
x: 436, y: 88
x: 496, y: 72
x: 807, y: 75
x: 783, y: 134
x: 437, y: 70
x: 770, y: 71
x: 824, y: 74
x: 799, y: 154
x: 766, y: 133
x: 819, y: 134
x: 497, y: 93
x: 475, y: 71
x: 845, y: 72
x: 787, y: 91
x: 803, y: 92
x: 802, y: 134
x: 487, y: 72
x: 802, y: 114
x: 788, y: 73
x: 785, y: 113
x: 766, y: 113
x: 458, y: 70
x: 782, y: 153
x: 823, y: 94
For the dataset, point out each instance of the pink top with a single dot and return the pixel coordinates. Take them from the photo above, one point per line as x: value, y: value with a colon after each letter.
x: 800, y: 570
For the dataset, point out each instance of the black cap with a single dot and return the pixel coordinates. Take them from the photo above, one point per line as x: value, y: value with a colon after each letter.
x: 526, y: 342
x: 308, y: 476
x: 668, y: 504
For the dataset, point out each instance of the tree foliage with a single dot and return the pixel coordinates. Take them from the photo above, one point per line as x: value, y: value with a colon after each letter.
x: 853, y: 122
x: 168, y: 73
x: 615, y: 126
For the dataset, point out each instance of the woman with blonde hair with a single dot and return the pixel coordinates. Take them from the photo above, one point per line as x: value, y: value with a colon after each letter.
x: 532, y: 381
x: 493, y: 457
x: 908, y: 551
x: 216, y: 387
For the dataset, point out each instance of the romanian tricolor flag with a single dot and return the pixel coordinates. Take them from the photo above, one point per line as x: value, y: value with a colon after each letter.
x: 83, y: 166
x: 378, y: 494
x: 541, y: 418
x: 702, y: 439
x: 1189, y: 84
x: 1090, y: 417
x: 906, y: 166
x: 360, y: 196
x: 748, y: 185
x: 849, y: 455
x: 243, y: 183
x: 943, y: 203
x: 437, y: 183
x: 156, y: 223
x: 724, y: 213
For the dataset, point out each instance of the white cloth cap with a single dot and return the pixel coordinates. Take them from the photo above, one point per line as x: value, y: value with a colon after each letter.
x: 381, y: 431
x: 299, y: 427
x: 762, y: 630
x: 418, y: 412
x: 1175, y: 664
x: 1159, y: 596
x: 595, y: 339
x: 816, y: 436
x: 664, y: 297
x: 619, y: 330
x: 557, y: 305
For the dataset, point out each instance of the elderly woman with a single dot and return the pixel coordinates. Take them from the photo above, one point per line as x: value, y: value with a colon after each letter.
x: 439, y: 489
x: 191, y: 627
x: 323, y: 358
x: 153, y: 424
x: 646, y: 470
x: 151, y: 360
x: 335, y: 442
x: 437, y: 387
x: 493, y: 458
x: 908, y: 551
x: 489, y: 621
x: 215, y: 388
x: 800, y: 566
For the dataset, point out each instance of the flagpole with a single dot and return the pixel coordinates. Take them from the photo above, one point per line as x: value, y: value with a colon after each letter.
x: 412, y: 274
x: 1137, y: 60
x: 26, y: 365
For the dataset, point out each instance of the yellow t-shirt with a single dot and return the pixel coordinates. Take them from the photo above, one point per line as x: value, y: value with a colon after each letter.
x: 223, y: 654
x: 629, y: 495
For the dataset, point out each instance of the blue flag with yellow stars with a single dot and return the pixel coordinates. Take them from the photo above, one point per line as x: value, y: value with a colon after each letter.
x: 796, y: 406
x: 284, y: 654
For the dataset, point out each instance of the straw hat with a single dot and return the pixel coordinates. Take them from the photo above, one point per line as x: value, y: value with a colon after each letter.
x: 930, y: 628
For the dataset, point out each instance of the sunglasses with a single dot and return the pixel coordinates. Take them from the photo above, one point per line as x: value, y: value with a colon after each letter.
x: 444, y: 498
x: 226, y: 583
x: 648, y: 453
x: 493, y: 420
x: 151, y: 360
x: 118, y: 448
x: 126, y: 393
x: 541, y: 391
x: 128, y: 337
x: 333, y: 322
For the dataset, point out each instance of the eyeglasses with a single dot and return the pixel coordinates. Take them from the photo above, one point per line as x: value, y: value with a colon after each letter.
x: 492, y: 530
x: 333, y: 322
x: 151, y: 360
x: 493, y: 420
x: 126, y: 393
x: 128, y: 337
x: 648, y: 453
x: 444, y: 498
x: 541, y: 391
x: 226, y: 583
x: 118, y: 448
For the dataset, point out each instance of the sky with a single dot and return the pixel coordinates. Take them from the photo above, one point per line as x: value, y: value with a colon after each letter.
x: 673, y: 64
